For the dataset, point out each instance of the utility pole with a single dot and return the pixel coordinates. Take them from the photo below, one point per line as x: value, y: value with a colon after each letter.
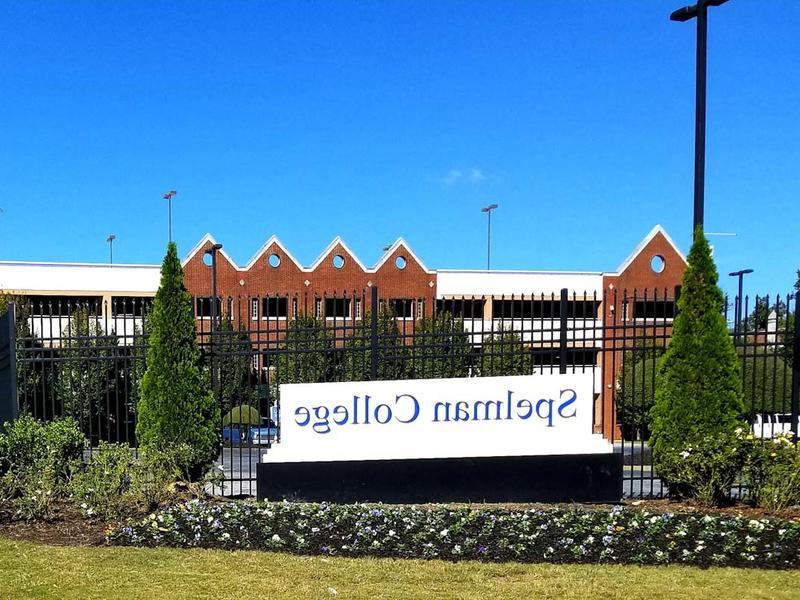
x: 699, y: 11
x: 488, y: 210
x: 168, y: 197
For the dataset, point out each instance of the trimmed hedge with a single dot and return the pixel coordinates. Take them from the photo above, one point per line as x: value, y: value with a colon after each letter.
x: 555, y: 535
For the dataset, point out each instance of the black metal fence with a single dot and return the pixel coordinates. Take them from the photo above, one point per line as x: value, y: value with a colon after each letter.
x: 85, y: 358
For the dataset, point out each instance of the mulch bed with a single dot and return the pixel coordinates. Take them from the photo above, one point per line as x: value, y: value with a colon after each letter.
x: 70, y: 528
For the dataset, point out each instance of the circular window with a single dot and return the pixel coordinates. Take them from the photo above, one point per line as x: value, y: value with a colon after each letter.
x: 338, y: 261
x: 207, y: 260
x: 274, y: 261
x: 657, y: 263
x: 400, y: 262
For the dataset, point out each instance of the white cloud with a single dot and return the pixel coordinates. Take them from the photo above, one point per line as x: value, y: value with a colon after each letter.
x: 455, y: 176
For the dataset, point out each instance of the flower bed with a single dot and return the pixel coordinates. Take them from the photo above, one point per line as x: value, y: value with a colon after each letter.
x: 557, y: 535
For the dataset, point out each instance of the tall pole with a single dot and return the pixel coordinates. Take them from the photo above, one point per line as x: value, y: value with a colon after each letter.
x: 737, y: 323
x: 168, y: 197
x: 700, y: 119
x: 213, y: 253
x: 488, y: 210
x: 700, y: 12
x: 110, y: 239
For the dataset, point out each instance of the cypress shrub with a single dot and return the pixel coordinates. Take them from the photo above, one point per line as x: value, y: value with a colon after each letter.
x: 176, y: 405
x: 698, y: 408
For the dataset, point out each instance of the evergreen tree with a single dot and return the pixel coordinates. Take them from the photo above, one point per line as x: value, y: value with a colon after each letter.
x: 233, y: 355
x: 698, y: 400
x: 441, y: 348
x: 85, y: 383
x: 391, y: 352
x: 308, y: 353
x: 504, y: 353
x: 176, y: 405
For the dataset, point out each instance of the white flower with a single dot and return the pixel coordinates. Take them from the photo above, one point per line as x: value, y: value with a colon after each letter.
x: 685, y: 454
x: 332, y: 590
x: 276, y: 538
x: 444, y: 532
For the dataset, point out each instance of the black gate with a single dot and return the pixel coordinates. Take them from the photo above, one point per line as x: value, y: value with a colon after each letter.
x: 8, y: 366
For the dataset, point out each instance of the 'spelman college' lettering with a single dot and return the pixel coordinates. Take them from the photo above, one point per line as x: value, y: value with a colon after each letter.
x: 438, y: 418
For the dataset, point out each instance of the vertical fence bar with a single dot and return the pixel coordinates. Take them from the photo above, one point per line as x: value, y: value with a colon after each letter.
x: 562, y: 340
x: 8, y: 366
x: 796, y: 366
x: 373, y: 333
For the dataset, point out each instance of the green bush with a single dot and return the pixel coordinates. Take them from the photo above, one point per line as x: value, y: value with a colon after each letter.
x: 391, y: 352
x: 36, y: 462
x: 698, y: 400
x: 773, y: 473
x: 103, y: 487
x: 504, y: 353
x: 114, y: 482
x: 176, y: 406
x: 309, y: 353
x: 441, y: 348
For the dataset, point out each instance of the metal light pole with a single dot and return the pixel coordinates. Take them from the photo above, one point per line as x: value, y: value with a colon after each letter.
x: 700, y: 12
x: 110, y: 239
x: 168, y: 197
x: 488, y: 210
x: 213, y: 253
x: 738, y: 304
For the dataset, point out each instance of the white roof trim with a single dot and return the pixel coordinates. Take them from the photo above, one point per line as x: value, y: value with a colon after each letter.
x: 337, y: 241
x: 199, y: 246
x: 519, y: 272
x: 32, y: 263
x: 399, y: 243
x: 643, y: 244
x: 272, y: 241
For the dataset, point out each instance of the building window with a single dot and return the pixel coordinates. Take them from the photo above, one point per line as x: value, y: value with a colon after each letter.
x: 420, y: 308
x: 294, y: 308
x: 337, y: 308
x: 543, y: 309
x: 203, y: 307
x: 358, y: 309
x: 130, y: 306
x: 402, y: 308
x: 317, y: 308
x: 255, y: 362
x: 466, y: 309
x: 64, y: 305
x: 654, y: 309
x: 576, y: 357
x: 254, y: 308
x: 274, y: 308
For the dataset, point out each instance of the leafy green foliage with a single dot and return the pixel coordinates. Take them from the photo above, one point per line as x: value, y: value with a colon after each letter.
x: 773, y: 473
x: 698, y: 387
x: 636, y: 391
x: 442, y: 348
x: 36, y: 461
x: 233, y: 359
x: 308, y: 354
x: 86, y: 377
x: 504, y: 353
x: 391, y: 351
x: 176, y: 405
x: 477, y: 533
x: 766, y: 383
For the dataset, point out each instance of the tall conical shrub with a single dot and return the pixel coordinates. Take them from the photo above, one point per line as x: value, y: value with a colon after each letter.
x: 698, y: 408
x: 176, y: 404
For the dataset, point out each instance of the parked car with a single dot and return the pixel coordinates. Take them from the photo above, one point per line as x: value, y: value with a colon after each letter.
x: 250, y: 435
x: 768, y: 425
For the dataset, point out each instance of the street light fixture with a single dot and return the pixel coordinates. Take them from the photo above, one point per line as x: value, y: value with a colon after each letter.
x: 110, y: 239
x: 212, y: 252
x: 168, y: 197
x: 699, y: 11
x: 737, y: 324
x: 488, y: 210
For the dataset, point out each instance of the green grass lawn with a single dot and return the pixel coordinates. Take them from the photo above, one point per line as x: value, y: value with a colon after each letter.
x: 36, y: 571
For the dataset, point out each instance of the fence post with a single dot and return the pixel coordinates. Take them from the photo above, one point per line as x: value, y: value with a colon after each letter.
x: 373, y: 333
x: 8, y: 365
x: 796, y: 366
x: 562, y: 340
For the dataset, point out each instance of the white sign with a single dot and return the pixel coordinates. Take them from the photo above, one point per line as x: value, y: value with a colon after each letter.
x: 437, y: 418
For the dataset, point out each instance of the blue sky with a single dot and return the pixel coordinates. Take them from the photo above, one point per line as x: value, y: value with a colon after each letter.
x: 378, y: 119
